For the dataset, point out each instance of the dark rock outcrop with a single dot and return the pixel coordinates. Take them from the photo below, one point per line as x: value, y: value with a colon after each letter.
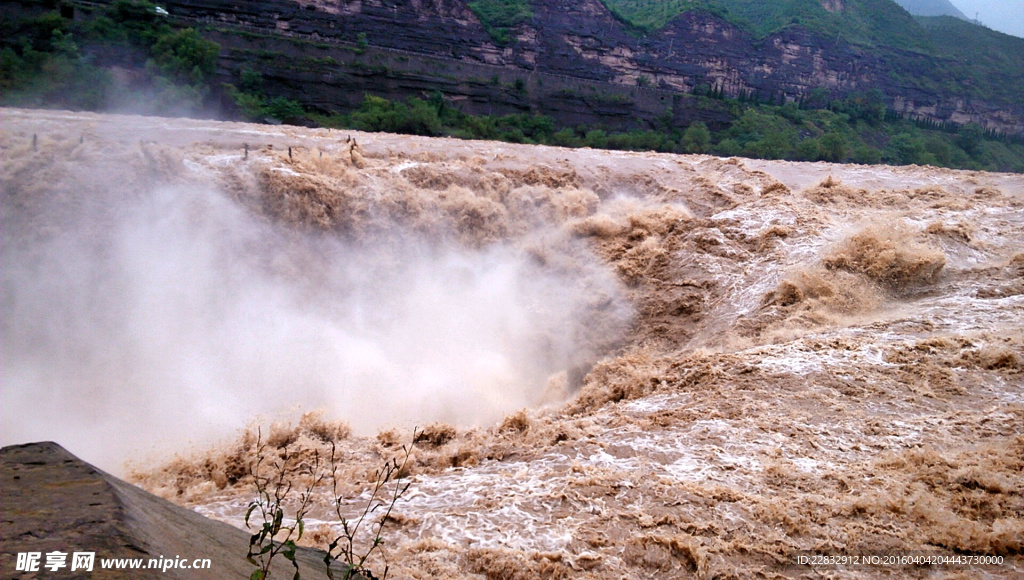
x: 52, y: 501
x: 571, y: 60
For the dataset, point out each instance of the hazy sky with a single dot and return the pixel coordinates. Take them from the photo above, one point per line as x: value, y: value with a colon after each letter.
x: 1002, y: 15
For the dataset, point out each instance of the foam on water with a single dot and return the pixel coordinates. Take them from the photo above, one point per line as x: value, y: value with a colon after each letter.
x: 746, y: 370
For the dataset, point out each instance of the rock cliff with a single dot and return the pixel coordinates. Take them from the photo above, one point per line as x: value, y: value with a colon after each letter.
x: 567, y: 49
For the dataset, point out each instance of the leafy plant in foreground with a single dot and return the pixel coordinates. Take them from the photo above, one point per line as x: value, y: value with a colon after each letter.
x: 343, y: 546
x: 274, y: 534
x: 271, y: 493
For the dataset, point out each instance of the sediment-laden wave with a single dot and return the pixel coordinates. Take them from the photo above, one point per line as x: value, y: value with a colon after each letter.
x: 624, y: 364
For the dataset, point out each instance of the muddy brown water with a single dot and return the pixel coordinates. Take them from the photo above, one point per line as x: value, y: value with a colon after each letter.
x: 727, y: 363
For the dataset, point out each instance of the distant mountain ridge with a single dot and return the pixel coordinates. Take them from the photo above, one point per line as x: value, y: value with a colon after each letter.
x: 931, y: 8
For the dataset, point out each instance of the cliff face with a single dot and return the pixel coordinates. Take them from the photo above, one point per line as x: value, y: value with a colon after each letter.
x: 581, y: 39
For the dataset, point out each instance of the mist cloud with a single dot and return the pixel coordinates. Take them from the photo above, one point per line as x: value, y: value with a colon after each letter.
x: 185, y: 317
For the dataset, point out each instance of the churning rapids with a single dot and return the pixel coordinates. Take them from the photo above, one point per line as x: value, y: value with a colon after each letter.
x: 624, y: 364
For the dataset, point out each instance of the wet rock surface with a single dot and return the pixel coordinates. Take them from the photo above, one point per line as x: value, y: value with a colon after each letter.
x: 52, y: 501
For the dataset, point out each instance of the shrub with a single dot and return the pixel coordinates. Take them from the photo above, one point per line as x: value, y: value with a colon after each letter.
x: 697, y: 138
x: 500, y: 16
x: 275, y: 472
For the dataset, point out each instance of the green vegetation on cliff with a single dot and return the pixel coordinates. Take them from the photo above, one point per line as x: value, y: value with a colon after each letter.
x: 867, y: 22
x: 930, y: 8
x: 128, y: 47
x: 500, y: 16
x: 941, y: 53
x: 648, y: 15
x: 854, y: 130
x: 973, y: 59
x: 935, y: 54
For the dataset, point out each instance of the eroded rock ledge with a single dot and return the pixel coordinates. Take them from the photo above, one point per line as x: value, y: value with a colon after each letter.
x: 51, y: 500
